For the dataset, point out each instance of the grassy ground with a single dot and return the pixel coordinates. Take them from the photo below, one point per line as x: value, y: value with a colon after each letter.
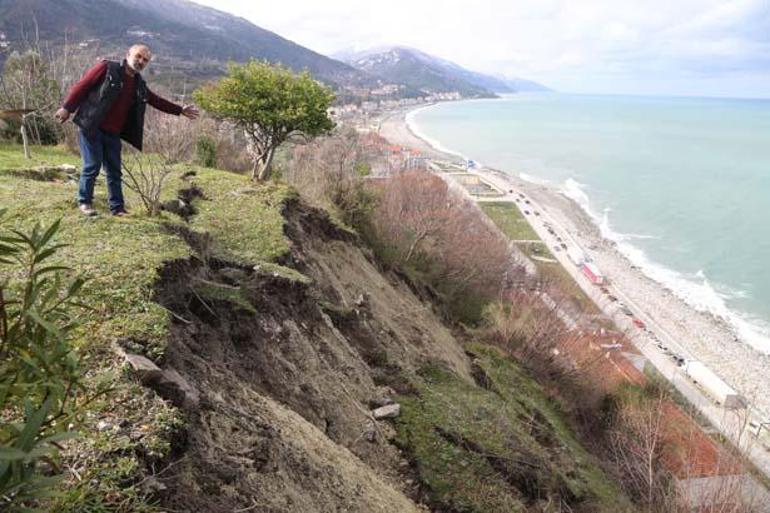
x: 508, y: 218
x: 516, y: 227
x: 501, y: 447
x: 121, y: 258
x: 12, y: 156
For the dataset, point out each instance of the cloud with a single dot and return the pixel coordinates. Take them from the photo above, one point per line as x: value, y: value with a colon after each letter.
x: 556, y: 41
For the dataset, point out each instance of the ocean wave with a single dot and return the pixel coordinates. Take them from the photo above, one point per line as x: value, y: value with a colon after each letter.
x: 575, y: 191
x: 533, y: 179
x: 696, y: 290
x: 433, y: 143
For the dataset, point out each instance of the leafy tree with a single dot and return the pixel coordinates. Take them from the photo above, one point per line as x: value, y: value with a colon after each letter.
x: 271, y: 104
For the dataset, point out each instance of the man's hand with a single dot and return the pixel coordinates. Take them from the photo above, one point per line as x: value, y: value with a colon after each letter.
x: 62, y: 115
x: 190, y: 111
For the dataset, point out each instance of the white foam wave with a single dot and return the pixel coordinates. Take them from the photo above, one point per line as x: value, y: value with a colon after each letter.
x: 433, y: 143
x: 533, y: 179
x: 696, y: 290
x: 575, y: 191
x: 639, y: 236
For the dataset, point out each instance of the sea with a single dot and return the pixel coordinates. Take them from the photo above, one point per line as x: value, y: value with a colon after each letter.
x: 682, y: 185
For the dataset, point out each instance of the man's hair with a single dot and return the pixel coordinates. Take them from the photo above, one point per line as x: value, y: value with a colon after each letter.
x: 139, y: 45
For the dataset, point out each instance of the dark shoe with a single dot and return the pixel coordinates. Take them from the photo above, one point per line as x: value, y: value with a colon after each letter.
x: 121, y: 212
x: 87, y: 210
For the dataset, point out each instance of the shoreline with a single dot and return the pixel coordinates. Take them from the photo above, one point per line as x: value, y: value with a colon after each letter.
x: 688, y: 332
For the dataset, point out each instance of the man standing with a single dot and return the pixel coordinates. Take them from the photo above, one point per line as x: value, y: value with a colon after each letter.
x: 110, y: 103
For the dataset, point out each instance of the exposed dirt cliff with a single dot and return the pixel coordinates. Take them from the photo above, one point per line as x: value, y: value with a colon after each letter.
x: 286, y: 372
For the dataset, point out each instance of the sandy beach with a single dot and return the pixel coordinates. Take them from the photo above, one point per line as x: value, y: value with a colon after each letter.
x: 676, y: 325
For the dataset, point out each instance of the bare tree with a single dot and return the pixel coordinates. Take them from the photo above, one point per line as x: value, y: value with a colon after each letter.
x: 146, y: 175
x: 172, y: 138
x: 328, y: 168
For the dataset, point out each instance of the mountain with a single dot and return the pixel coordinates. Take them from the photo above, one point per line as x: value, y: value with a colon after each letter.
x: 419, y: 71
x: 200, y: 39
x: 521, y: 85
x: 431, y: 74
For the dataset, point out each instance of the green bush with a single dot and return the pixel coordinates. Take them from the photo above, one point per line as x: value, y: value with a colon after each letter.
x: 206, y: 151
x: 39, y: 371
x: 354, y: 203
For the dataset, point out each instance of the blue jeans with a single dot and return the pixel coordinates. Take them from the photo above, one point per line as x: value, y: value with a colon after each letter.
x: 101, y: 148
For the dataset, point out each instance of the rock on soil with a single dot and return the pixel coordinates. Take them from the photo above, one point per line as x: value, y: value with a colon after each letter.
x: 387, y: 412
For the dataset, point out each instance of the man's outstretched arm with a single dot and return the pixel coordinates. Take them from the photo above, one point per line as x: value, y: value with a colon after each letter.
x: 188, y: 111
x: 92, y: 78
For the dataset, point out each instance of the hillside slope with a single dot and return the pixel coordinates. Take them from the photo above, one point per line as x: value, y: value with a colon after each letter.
x: 276, y: 332
x: 418, y: 71
x: 432, y: 74
x: 180, y: 32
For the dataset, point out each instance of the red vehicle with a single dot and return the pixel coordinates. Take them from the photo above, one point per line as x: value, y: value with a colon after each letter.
x: 639, y: 323
x: 592, y: 272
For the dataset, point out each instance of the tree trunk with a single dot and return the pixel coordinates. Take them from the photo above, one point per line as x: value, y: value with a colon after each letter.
x: 264, y: 173
x: 254, y: 169
x: 24, y: 138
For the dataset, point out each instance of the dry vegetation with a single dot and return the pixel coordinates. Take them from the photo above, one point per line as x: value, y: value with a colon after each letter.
x: 422, y: 230
x: 413, y: 220
x: 419, y: 227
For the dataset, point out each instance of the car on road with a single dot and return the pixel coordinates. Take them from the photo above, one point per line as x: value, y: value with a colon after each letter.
x: 526, y: 212
x: 638, y: 323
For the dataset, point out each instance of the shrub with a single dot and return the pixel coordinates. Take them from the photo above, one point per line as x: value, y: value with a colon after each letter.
x: 39, y: 371
x: 435, y: 236
x: 206, y: 151
x: 146, y: 175
x: 329, y: 172
x: 171, y: 137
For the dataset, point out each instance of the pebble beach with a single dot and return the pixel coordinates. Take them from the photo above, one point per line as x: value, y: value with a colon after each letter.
x: 682, y: 329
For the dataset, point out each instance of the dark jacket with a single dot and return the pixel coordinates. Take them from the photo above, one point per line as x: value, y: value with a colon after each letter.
x: 100, y: 99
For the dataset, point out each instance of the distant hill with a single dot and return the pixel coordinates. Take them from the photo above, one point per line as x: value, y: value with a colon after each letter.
x: 520, y: 85
x: 417, y: 70
x: 421, y: 71
x: 200, y: 39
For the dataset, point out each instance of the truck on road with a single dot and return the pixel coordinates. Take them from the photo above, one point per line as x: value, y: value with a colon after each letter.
x: 713, y: 385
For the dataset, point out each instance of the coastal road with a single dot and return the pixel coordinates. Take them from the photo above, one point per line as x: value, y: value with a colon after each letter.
x: 394, y: 128
x: 731, y: 423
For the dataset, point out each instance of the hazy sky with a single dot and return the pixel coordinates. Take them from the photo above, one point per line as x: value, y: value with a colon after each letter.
x: 680, y: 47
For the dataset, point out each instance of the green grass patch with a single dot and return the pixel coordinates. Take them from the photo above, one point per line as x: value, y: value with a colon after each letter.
x: 505, y: 447
x: 121, y: 258
x: 244, y: 218
x: 510, y: 220
x: 535, y: 249
x: 515, y: 226
x: 12, y: 156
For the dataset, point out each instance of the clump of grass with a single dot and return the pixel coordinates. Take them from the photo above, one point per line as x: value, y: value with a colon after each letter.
x: 121, y: 258
x: 508, y: 218
x: 244, y: 218
x: 500, y: 447
x: 12, y: 157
